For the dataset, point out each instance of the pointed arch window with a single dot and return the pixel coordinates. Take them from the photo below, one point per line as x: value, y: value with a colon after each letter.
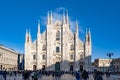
x: 57, y: 49
x: 72, y: 47
x: 58, y: 35
x: 44, y: 47
x: 34, y: 57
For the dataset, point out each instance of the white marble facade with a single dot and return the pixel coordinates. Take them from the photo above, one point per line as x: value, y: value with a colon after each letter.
x: 57, y: 47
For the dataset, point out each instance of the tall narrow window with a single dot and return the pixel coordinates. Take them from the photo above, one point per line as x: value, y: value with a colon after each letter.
x: 72, y: 47
x: 58, y: 35
x: 34, y: 57
x: 44, y: 47
x: 43, y: 57
x: 71, y: 57
x: 57, y: 49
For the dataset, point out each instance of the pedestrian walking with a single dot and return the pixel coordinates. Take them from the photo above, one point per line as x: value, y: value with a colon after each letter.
x: 108, y: 74
x: 98, y: 76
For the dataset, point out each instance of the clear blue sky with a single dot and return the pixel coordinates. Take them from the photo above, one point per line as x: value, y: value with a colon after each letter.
x: 102, y: 16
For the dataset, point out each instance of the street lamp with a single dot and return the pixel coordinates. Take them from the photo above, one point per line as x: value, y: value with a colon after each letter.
x: 103, y: 67
x: 109, y: 55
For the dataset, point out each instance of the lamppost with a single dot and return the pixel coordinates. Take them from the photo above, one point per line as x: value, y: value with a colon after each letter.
x: 103, y: 67
x: 109, y: 55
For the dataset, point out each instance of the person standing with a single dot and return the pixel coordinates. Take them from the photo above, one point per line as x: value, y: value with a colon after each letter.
x: 77, y: 76
x: 85, y: 75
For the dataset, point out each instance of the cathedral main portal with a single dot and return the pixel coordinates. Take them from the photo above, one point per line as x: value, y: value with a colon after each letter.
x: 57, y: 66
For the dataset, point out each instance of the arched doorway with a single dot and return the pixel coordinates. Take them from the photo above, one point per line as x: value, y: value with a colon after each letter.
x: 57, y: 66
x: 81, y: 67
x: 43, y: 67
x: 34, y: 67
x: 71, y: 67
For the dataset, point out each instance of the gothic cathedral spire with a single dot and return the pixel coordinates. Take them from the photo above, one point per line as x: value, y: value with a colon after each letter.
x: 38, y: 34
x: 76, y: 26
x: 27, y: 36
x: 30, y: 40
x: 88, y: 48
x: 49, y: 19
x: 67, y: 19
x: 63, y: 18
x: 88, y: 36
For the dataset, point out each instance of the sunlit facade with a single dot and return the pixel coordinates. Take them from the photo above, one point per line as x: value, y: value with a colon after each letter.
x: 103, y: 64
x: 8, y: 59
x: 57, y: 48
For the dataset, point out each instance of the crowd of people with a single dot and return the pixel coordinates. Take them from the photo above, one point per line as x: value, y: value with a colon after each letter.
x: 79, y: 75
x: 97, y: 75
